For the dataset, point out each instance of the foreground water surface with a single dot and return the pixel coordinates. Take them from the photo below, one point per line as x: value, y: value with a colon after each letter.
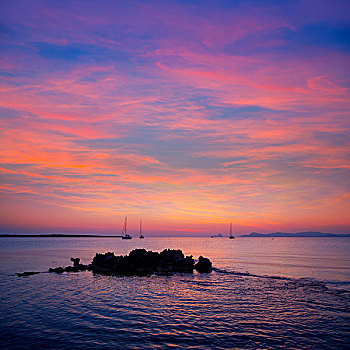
x: 264, y: 293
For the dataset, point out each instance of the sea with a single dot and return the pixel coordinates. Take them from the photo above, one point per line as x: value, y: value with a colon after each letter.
x: 264, y: 293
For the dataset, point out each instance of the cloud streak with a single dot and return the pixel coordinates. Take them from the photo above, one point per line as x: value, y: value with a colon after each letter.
x: 184, y: 115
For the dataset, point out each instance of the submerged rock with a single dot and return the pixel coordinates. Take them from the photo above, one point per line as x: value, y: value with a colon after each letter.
x: 139, y: 262
x: 25, y: 274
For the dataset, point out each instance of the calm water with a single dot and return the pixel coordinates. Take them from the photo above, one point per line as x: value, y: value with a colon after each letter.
x: 264, y: 294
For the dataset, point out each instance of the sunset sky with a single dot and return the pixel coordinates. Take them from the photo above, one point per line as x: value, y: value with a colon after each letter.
x: 187, y: 114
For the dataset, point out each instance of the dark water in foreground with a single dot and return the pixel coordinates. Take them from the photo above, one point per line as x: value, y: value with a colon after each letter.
x: 264, y: 294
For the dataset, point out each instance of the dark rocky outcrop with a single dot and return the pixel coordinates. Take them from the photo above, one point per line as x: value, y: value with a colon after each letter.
x: 139, y: 262
x: 203, y: 265
x: 75, y: 268
x: 142, y: 262
x: 57, y: 269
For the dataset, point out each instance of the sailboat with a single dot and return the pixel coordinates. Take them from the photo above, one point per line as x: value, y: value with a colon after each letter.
x: 124, y: 234
x: 141, y: 236
x: 231, y: 236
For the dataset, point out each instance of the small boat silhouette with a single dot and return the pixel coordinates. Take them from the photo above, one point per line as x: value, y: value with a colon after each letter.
x: 231, y: 236
x: 124, y: 234
x: 141, y: 236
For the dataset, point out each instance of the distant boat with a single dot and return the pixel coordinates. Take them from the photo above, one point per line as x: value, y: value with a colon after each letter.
x: 124, y: 234
x: 231, y: 236
x: 141, y: 236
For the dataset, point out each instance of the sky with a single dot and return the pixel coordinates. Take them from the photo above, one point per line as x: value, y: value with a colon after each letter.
x: 188, y: 115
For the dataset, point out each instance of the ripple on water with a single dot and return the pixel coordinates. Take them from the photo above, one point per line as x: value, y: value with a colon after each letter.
x: 218, y: 310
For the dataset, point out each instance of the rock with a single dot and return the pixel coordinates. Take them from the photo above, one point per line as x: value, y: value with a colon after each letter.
x: 203, y: 265
x: 28, y: 273
x: 175, y: 261
x: 142, y: 262
x: 82, y: 267
x: 75, y: 268
x: 57, y: 269
x: 70, y: 269
x: 139, y: 262
x: 75, y: 262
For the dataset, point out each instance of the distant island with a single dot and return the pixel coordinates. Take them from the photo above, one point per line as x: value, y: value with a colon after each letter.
x: 218, y: 235
x: 296, y: 234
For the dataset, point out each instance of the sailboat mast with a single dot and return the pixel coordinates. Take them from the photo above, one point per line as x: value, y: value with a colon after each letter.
x: 231, y: 229
x: 126, y: 220
x: 140, y: 227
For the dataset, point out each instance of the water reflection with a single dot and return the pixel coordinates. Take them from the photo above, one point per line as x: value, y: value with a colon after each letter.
x: 217, y: 310
x: 322, y: 258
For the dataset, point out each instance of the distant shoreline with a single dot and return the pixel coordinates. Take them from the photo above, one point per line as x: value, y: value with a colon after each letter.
x: 59, y: 236
x: 251, y: 235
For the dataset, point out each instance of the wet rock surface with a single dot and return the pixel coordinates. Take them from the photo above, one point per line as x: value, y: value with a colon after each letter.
x: 139, y: 262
